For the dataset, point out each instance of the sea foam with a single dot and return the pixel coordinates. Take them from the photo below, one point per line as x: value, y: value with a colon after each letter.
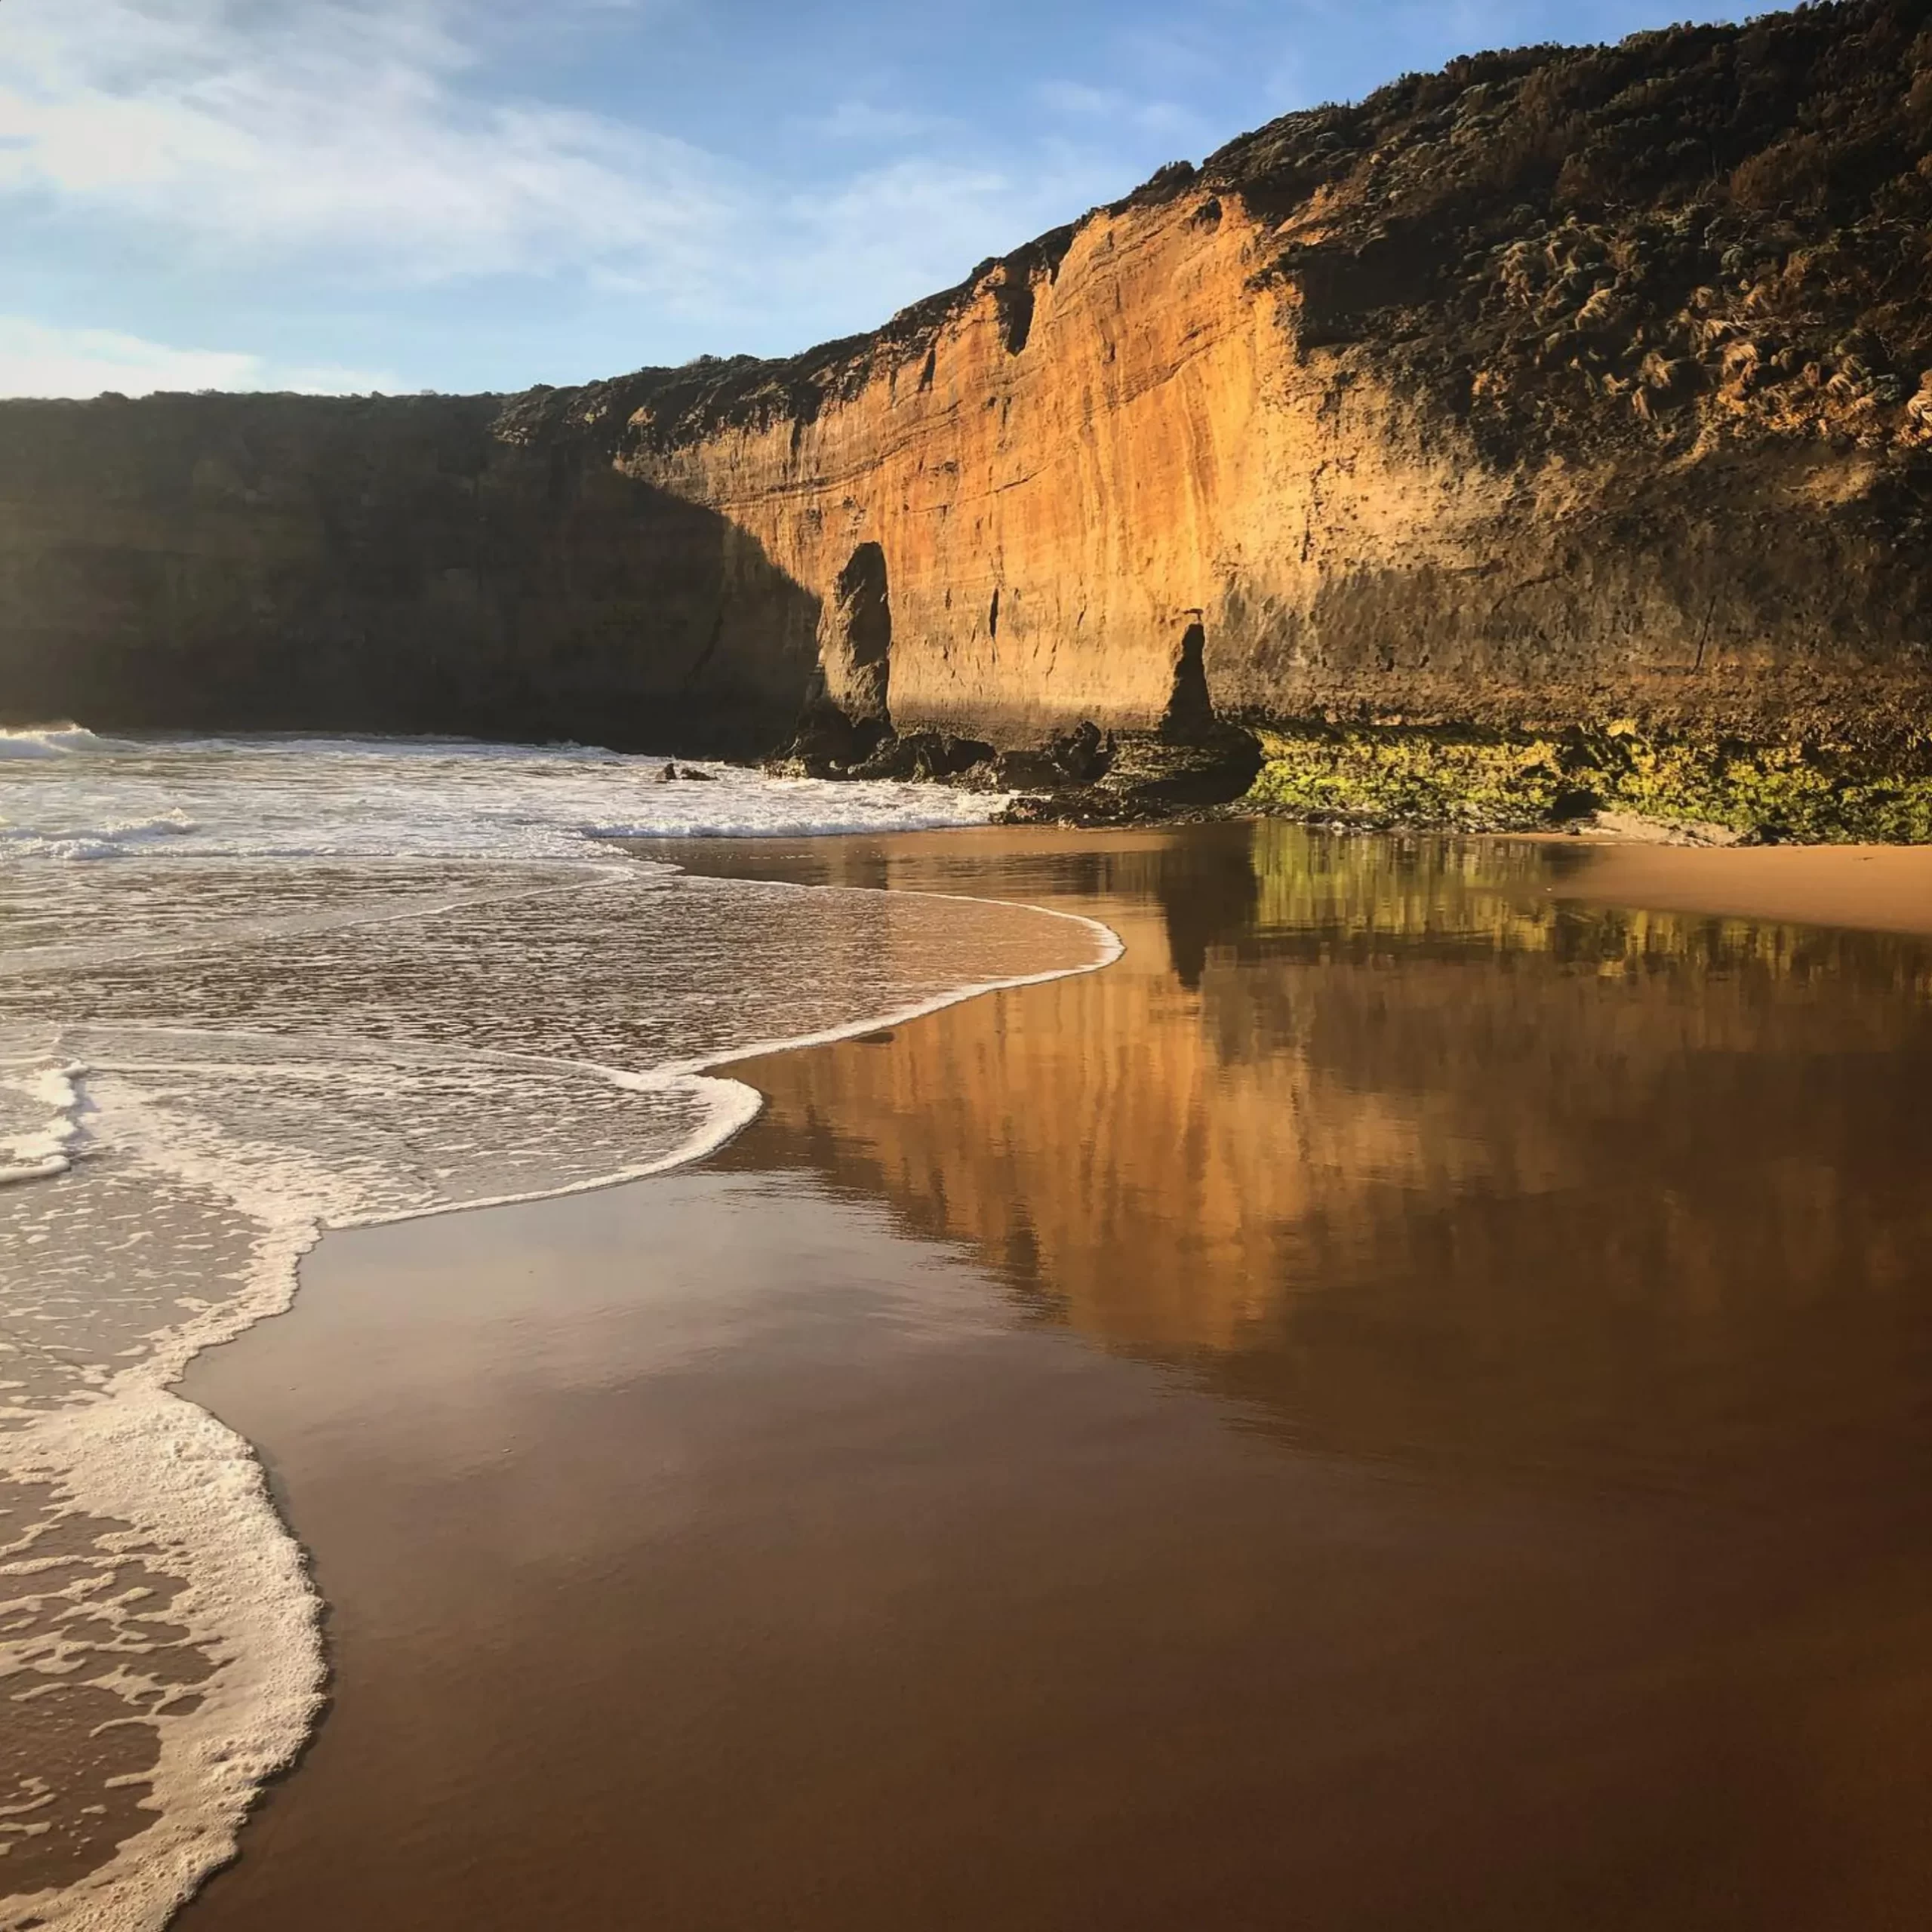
x: 329, y: 983
x: 37, y: 1151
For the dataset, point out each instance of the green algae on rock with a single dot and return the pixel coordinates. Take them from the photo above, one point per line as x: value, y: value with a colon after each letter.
x: 1497, y: 781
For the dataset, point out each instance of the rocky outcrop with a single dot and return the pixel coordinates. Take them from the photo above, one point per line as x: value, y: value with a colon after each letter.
x: 1559, y: 388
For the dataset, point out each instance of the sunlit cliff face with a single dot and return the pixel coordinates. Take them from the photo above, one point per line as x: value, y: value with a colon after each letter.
x: 1155, y: 426
x: 1340, y: 1094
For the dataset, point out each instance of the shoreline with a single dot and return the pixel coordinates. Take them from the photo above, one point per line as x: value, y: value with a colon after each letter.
x: 1871, y: 888
x: 1875, y: 888
x: 1651, y: 863
x: 1602, y: 778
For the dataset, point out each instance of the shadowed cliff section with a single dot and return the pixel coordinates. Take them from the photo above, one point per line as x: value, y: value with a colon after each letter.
x: 380, y: 564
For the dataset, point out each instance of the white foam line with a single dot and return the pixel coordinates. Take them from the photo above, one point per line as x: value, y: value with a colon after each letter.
x: 42, y: 1170
x: 736, y: 1104
x: 137, y: 1453
x: 733, y: 1104
x: 192, y: 1484
x: 1112, y: 947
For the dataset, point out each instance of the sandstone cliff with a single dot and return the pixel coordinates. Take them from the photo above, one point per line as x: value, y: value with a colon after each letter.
x: 1558, y: 388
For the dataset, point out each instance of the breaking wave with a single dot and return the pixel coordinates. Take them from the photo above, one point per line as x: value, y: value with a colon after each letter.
x: 43, y: 741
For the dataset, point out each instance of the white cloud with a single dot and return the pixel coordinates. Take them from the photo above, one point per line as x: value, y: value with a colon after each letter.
x: 337, y: 128
x: 1179, y: 49
x: 375, y: 146
x: 37, y: 360
x: 1076, y: 97
x: 856, y: 120
x: 1075, y: 100
x: 917, y: 225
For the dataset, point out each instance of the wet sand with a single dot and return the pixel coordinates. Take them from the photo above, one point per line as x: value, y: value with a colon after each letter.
x: 1404, y: 1402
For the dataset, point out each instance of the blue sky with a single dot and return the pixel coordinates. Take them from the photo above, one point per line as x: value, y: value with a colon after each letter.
x: 344, y: 194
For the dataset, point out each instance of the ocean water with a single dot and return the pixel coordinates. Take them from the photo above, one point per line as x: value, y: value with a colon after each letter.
x: 250, y: 990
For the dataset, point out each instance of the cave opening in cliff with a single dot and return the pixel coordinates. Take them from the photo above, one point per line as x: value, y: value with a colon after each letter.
x: 858, y: 647
x: 1190, y: 711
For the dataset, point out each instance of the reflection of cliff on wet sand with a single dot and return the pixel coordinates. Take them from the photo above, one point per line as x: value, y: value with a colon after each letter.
x: 1420, y: 1157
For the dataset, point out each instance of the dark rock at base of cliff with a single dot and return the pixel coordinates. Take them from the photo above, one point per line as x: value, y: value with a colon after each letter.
x: 929, y: 755
x: 1077, y: 757
x: 825, y: 743
x: 1085, y: 753
x: 828, y: 744
x: 1148, y: 777
x: 1027, y: 771
x: 1214, y: 768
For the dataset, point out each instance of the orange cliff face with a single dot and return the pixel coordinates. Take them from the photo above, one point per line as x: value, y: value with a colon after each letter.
x: 1061, y: 491
x: 1058, y: 488
x: 1473, y: 402
x: 1051, y: 495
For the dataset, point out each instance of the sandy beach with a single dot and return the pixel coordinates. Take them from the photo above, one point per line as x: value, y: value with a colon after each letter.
x: 1393, y: 1404
x: 1875, y: 888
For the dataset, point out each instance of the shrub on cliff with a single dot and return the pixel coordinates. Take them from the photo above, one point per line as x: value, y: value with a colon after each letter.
x: 1525, y: 232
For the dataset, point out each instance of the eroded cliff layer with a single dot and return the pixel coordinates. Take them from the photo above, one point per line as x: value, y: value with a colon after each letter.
x: 1564, y: 387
